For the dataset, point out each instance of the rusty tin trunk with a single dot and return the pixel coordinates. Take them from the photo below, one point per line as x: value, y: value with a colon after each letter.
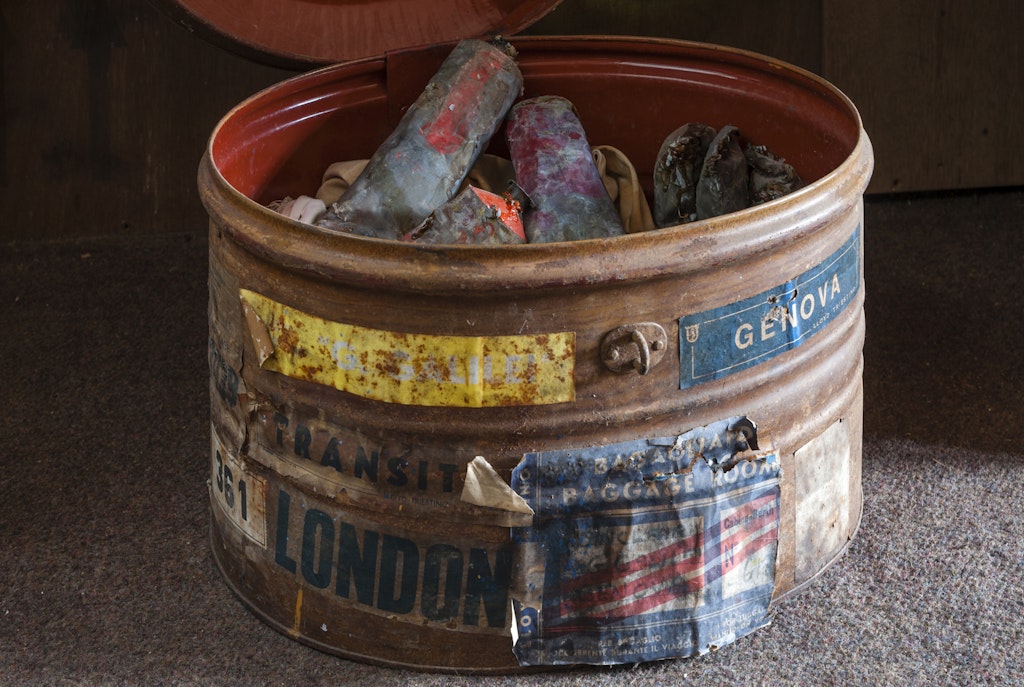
x: 356, y: 381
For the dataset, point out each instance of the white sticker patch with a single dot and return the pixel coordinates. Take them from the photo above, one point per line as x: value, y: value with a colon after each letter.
x: 822, y: 498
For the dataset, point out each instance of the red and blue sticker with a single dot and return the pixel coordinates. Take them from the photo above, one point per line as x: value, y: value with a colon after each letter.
x: 645, y: 550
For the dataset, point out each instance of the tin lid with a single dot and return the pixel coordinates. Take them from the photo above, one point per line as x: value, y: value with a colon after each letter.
x: 304, y: 33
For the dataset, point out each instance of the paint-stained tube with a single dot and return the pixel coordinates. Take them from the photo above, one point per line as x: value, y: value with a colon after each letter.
x: 555, y: 167
x: 425, y: 159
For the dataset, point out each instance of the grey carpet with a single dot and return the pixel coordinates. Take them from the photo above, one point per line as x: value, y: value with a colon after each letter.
x: 105, y: 575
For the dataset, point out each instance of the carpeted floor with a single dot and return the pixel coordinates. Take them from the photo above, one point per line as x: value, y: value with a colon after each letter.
x: 106, y: 576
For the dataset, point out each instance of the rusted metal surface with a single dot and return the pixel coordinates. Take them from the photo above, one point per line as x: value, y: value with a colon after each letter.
x: 425, y: 159
x: 353, y: 534
x: 412, y: 369
x: 634, y: 347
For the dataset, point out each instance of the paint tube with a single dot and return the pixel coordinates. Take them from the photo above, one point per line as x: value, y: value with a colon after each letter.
x: 555, y: 167
x: 771, y: 176
x: 722, y: 187
x: 422, y: 163
x: 676, y: 172
x: 474, y: 216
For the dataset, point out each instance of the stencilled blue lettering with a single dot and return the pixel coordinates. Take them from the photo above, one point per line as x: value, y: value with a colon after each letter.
x: 441, y: 582
x: 719, y: 342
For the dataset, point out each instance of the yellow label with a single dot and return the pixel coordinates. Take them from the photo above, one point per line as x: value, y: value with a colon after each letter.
x: 413, y: 369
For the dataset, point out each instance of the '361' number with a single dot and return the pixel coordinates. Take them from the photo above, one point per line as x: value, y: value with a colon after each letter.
x: 226, y: 486
x: 240, y: 494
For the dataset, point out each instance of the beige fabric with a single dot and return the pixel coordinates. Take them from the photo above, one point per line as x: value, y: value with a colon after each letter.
x: 491, y: 173
x: 337, y: 178
x: 620, y: 179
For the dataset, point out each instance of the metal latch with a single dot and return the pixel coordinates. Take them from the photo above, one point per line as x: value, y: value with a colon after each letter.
x: 634, y: 347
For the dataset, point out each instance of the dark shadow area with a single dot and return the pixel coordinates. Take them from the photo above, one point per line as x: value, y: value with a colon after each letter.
x: 945, y: 300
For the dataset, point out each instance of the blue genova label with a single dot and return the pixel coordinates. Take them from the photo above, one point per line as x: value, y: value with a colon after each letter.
x: 717, y: 343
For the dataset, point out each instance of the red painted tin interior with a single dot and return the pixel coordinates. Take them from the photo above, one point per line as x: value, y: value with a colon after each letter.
x: 629, y: 93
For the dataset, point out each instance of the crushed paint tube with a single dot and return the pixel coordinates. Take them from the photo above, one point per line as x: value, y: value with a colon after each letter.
x: 554, y: 164
x: 700, y: 173
x: 474, y: 216
x: 771, y: 176
x: 423, y: 162
x: 676, y: 172
x: 722, y: 186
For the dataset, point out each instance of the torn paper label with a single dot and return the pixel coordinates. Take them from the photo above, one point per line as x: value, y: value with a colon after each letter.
x: 412, y: 368
x: 259, y: 333
x: 642, y: 550
x: 384, y: 475
x: 485, y: 487
x: 241, y: 494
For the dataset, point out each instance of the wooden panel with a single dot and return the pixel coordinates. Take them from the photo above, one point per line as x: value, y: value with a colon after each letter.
x: 789, y: 30
x: 939, y: 84
x: 107, y: 106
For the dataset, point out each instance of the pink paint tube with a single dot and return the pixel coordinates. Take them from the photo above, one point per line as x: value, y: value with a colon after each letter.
x: 555, y: 167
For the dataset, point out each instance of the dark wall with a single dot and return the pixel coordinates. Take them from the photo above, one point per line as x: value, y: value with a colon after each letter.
x: 788, y: 30
x: 106, y: 105
x: 939, y: 83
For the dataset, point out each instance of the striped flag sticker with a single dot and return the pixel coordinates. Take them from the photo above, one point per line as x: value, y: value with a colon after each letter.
x: 646, y: 550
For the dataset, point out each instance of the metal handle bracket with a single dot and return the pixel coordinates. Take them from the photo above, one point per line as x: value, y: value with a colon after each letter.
x: 634, y: 347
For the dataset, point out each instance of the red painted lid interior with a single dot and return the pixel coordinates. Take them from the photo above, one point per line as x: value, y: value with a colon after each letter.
x: 304, y: 32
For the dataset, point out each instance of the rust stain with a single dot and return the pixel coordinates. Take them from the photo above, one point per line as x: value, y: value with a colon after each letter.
x: 295, y: 630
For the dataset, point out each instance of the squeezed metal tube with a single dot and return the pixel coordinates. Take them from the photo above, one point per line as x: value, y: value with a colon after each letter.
x: 722, y: 186
x: 422, y: 163
x: 677, y: 171
x: 473, y: 216
x: 556, y: 168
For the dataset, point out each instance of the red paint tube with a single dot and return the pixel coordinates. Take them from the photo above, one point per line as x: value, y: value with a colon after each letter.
x: 555, y: 167
x: 474, y: 216
x: 423, y: 162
